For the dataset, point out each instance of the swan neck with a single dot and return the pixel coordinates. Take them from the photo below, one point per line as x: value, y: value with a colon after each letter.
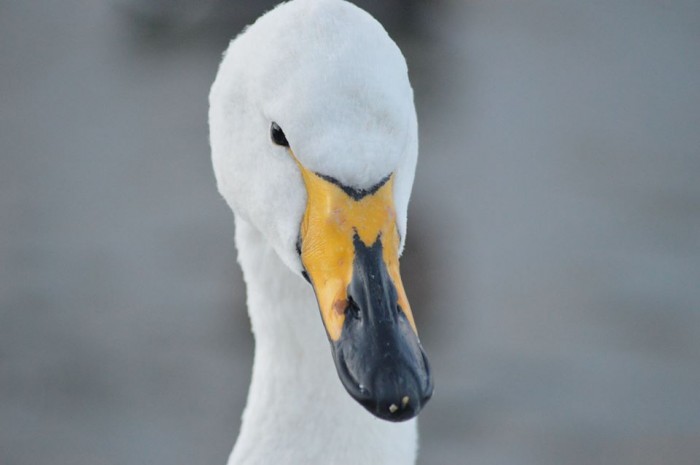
x: 297, y: 410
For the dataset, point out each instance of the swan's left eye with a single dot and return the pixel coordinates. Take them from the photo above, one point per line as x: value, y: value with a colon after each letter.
x: 278, y: 136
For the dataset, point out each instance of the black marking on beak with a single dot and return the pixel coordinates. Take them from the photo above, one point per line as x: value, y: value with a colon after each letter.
x: 304, y: 273
x: 354, y: 192
x: 378, y: 356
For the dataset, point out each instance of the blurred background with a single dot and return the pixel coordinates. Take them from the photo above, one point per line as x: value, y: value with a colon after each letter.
x: 553, y: 255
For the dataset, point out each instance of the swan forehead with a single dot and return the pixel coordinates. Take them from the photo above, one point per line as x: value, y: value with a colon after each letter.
x: 329, y: 74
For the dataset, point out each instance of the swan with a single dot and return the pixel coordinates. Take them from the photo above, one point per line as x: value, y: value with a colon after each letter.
x: 313, y: 134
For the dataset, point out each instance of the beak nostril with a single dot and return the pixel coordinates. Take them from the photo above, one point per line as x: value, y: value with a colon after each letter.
x: 352, y: 310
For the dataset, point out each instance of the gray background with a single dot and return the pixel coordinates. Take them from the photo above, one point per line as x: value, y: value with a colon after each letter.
x: 554, y: 234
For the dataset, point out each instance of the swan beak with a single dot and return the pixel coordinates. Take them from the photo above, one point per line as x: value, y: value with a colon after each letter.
x: 349, y: 247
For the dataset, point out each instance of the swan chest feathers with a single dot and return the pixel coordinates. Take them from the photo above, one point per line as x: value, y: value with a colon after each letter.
x: 314, y: 144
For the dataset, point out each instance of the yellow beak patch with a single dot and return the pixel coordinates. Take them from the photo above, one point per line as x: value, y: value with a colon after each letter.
x: 332, y: 218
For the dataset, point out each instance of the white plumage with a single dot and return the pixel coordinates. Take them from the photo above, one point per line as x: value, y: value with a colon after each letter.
x: 330, y: 76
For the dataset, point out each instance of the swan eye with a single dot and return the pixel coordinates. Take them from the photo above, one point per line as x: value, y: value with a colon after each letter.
x: 278, y: 136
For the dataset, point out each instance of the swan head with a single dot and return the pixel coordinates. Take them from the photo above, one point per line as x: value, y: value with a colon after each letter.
x: 314, y: 143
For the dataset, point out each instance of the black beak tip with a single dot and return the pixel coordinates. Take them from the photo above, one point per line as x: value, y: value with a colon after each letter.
x: 399, y: 394
x: 395, y: 402
x: 395, y: 408
x: 392, y: 393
